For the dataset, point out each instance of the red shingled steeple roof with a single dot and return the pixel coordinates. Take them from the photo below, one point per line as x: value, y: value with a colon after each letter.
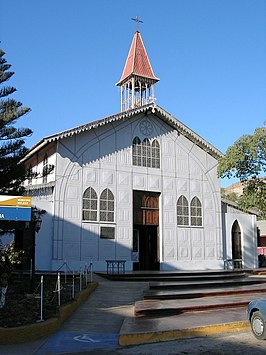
x: 137, y: 62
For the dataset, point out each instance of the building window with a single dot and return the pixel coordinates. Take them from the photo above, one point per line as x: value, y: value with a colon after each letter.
x: 196, y: 212
x: 107, y: 206
x: 107, y: 233
x: 30, y: 174
x: 89, y: 202
x: 136, y: 150
x: 182, y: 211
x: 155, y: 154
x: 45, y: 169
x: 145, y: 153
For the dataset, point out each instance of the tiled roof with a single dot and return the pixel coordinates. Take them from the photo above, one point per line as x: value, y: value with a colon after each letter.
x: 125, y: 115
x: 137, y: 62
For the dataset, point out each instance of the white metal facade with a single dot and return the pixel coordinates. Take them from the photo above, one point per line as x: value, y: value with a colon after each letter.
x: 101, y: 157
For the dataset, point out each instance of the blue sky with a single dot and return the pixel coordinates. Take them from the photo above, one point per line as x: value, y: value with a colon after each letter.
x: 210, y: 56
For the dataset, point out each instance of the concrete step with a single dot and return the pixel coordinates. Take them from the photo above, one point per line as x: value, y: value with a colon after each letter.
x: 175, y: 307
x: 186, y: 294
x: 194, y: 285
x: 175, y: 276
x: 140, y: 330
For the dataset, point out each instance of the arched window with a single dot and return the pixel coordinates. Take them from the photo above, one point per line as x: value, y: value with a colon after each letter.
x: 45, y: 169
x: 196, y: 212
x: 136, y: 151
x: 182, y: 211
x: 155, y: 154
x: 107, y: 206
x: 30, y: 174
x: 236, y: 245
x: 89, y: 205
x: 146, y: 153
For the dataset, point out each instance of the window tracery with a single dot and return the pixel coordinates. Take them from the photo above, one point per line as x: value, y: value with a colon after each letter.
x: 89, y: 202
x: 146, y: 153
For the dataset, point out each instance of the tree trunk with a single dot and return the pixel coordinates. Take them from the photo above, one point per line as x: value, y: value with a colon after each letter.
x: 2, y: 296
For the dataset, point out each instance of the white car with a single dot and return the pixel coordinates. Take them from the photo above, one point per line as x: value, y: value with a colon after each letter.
x: 256, y: 313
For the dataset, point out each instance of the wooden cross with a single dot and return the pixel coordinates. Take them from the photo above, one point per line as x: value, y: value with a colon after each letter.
x: 137, y: 22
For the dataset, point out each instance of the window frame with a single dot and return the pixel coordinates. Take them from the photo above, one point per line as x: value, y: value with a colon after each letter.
x: 146, y: 153
x: 155, y: 154
x: 90, y: 199
x: 196, y: 218
x: 44, y: 169
x: 182, y: 205
x: 107, y: 206
x: 105, y: 232
x: 136, y: 151
x: 189, y: 214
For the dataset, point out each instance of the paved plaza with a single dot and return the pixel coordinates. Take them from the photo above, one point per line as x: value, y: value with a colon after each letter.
x: 109, y: 312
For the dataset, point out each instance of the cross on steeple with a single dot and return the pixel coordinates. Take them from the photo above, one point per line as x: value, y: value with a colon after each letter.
x: 137, y: 22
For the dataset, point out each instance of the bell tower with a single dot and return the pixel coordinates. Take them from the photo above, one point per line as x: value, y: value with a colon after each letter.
x: 137, y: 80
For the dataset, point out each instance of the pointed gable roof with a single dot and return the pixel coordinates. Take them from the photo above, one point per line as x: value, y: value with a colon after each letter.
x: 137, y: 62
x: 122, y: 116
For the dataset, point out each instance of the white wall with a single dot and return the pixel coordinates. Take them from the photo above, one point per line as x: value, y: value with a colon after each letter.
x: 102, y: 159
x: 248, y: 227
x: 43, y: 199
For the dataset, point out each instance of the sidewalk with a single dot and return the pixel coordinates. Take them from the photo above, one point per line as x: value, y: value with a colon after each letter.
x: 108, y: 315
x: 97, y: 322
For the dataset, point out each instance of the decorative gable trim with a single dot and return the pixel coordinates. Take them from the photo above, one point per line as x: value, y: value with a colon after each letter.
x: 125, y: 115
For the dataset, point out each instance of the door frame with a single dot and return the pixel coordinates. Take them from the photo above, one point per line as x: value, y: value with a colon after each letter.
x: 146, y: 240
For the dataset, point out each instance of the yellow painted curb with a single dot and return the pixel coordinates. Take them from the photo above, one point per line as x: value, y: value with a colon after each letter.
x: 167, y: 335
x: 36, y: 331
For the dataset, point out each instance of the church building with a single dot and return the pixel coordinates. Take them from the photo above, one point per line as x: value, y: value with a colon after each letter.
x: 138, y: 186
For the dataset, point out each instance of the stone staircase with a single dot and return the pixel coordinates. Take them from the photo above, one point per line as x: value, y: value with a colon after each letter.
x: 164, y: 276
x: 200, y: 292
x: 178, y: 292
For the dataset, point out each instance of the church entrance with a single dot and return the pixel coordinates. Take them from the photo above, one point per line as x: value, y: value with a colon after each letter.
x: 146, y: 230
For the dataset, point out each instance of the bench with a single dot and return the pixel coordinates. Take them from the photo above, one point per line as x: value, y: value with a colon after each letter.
x: 233, y: 264
x: 115, y: 266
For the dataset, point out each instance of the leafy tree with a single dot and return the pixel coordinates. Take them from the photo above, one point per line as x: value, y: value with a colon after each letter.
x: 12, y: 139
x: 246, y: 161
x: 232, y: 196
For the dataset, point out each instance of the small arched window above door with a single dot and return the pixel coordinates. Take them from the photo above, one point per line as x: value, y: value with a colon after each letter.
x: 136, y: 151
x: 155, y: 154
x: 146, y: 153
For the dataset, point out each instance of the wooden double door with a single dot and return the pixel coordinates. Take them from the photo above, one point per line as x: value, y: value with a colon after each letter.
x: 146, y: 230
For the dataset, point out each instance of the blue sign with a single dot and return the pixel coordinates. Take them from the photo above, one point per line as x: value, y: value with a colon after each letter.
x: 15, y: 213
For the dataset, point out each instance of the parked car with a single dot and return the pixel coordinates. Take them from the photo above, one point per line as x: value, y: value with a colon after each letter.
x: 256, y: 313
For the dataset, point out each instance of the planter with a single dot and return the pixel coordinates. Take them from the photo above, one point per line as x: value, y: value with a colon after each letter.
x: 44, y: 329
